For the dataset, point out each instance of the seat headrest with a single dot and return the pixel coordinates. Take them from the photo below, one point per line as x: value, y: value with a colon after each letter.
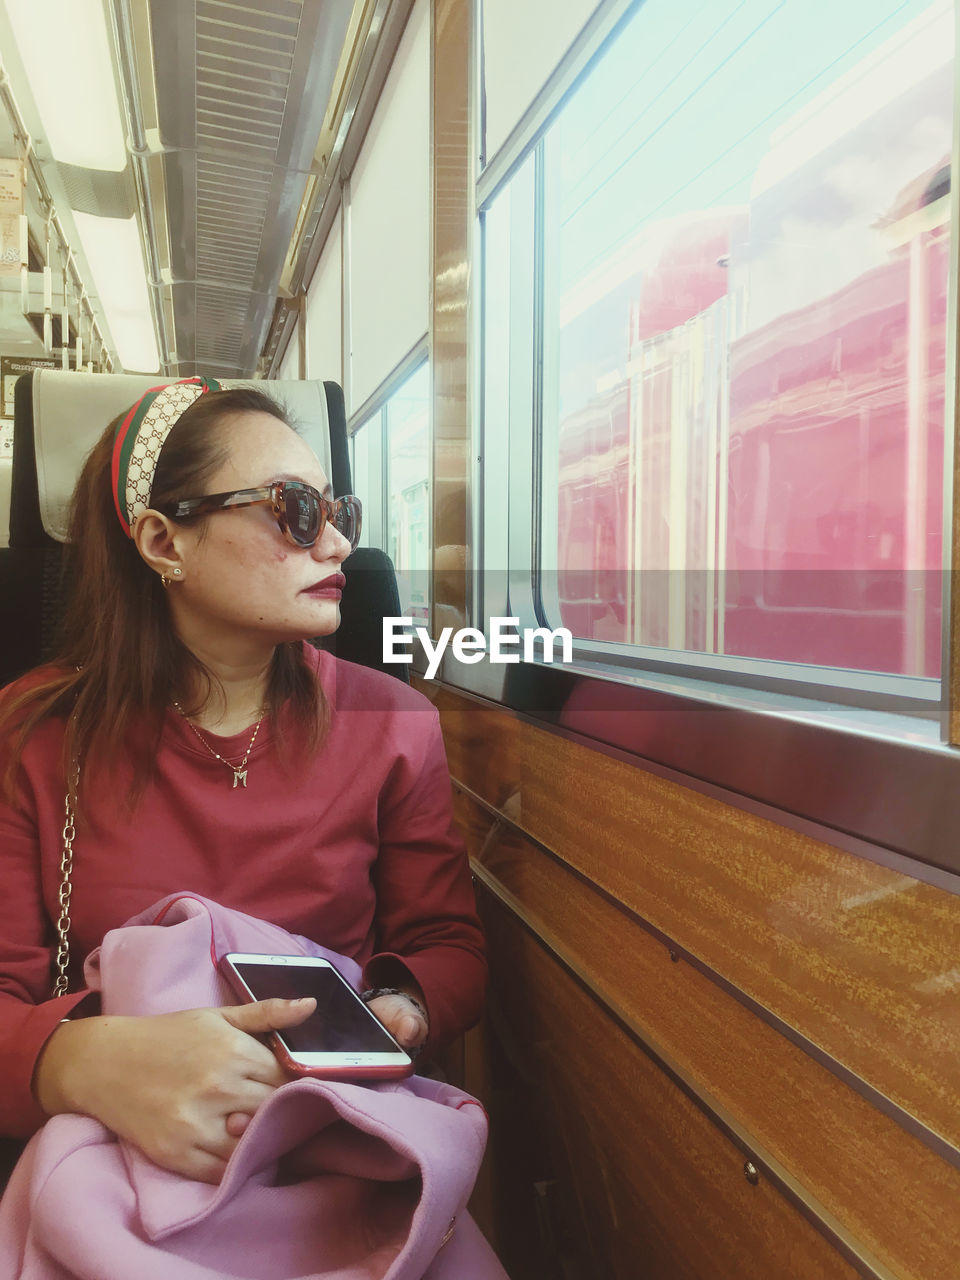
x: 71, y: 411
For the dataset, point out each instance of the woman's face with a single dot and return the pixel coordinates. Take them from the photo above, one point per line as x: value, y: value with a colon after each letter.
x: 242, y: 579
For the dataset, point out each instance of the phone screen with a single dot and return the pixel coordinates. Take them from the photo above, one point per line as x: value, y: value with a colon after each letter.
x: 340, y: 1023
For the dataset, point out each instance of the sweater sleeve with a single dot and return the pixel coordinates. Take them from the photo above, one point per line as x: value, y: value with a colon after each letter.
x: 27, y: 1017
x: 426, y: 914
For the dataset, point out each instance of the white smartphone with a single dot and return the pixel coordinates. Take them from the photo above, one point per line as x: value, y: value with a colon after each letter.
x: 341, y: 1040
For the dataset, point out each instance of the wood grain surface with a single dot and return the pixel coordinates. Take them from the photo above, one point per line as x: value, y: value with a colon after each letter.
x: 861, y: 960
x: 660, y: 1190
x: 888, y: 1191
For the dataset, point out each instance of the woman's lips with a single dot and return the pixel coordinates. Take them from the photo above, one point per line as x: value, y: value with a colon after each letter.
x: 329, y: 589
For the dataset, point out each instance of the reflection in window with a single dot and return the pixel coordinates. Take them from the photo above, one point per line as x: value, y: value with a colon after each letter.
x: 746, y: 251
x: 407, y: 414
x: 366, y: 448
x: 391, y: 476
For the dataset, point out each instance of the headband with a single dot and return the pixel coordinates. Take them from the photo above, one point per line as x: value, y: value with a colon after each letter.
x: 139, y: 439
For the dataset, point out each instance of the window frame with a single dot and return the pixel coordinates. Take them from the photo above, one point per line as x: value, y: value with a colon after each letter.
x: 898, y: 695
x: 772, y: 747
x: 372, y: 416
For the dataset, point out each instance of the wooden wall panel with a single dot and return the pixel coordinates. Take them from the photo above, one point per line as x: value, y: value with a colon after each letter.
x: 886, y: 1190
x: 859, y: 959
x: 661, y: 1188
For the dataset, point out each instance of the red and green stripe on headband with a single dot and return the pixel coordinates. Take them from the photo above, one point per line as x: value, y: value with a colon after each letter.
x: 150, y: 409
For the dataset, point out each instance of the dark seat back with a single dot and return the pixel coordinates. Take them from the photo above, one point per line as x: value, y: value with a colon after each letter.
x: 371, y: 592
x: 370, y: 595
x: 30, y: 566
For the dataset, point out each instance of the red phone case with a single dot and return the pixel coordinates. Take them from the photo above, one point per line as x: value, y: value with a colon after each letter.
x: 397, y: 1072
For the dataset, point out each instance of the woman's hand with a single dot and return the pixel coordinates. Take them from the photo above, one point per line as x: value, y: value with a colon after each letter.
x: 180, y: 1086
x: 403, y: 1018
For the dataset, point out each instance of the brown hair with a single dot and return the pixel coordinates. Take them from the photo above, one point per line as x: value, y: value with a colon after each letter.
x: 119, y: 663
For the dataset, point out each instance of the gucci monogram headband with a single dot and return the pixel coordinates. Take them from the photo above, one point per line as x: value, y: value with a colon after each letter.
x: 139, y: 439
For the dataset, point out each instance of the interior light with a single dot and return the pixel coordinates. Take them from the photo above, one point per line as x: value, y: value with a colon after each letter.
x: 66, y: 56
x: 112, y: 247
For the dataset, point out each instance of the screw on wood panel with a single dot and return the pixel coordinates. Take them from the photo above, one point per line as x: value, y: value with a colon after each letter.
x: 751, y: 1173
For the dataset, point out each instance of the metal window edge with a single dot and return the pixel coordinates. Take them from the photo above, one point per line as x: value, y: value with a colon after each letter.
x: 896, y: 804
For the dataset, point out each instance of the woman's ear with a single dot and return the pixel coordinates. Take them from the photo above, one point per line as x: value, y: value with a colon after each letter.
x: 158, y: 540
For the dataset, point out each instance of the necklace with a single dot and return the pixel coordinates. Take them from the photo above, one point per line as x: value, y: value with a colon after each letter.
x: 239, y: 770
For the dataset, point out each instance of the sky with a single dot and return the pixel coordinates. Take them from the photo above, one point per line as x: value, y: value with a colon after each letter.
x: 681, y: 111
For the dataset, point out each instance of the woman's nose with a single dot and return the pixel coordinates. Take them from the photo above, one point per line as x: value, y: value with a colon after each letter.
x: 331, y: 545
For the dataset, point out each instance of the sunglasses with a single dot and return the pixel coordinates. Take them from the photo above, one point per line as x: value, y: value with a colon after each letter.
x: 300, y: 510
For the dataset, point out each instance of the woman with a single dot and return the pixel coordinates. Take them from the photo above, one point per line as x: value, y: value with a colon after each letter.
x: 221, y: 754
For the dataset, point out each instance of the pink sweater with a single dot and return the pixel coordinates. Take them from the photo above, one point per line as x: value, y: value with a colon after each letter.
x: 353, y: 848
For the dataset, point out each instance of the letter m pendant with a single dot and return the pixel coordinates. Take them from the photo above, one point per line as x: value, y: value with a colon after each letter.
x: 239, y: 778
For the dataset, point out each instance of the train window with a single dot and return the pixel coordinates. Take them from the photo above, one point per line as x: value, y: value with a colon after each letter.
x: 522, y: 43
x: 391, y: 474
x: 508, y: 351
x: 407, y: 416
x: 388, y: 222
x: 324, y: 303
x: 366, y: 464
x: 743, y: 235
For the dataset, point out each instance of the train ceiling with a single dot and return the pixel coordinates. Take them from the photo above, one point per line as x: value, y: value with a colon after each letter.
x: 228, y: 109
x: 242, y: 90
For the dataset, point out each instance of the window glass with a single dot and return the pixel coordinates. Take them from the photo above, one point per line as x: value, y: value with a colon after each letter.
x: 408, y: 491
x: 509, y: 357
x: 366, y: 464
x: 324, y: 337
x: 390, y: 455
x: 746, y: 252
x: 388, y: 270
x: 523, y: 40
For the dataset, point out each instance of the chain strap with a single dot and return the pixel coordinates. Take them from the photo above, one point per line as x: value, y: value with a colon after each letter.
x: 66, y: 883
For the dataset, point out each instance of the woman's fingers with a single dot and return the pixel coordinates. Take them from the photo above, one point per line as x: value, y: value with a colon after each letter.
x: 264, y: 1069
x: 179, y: 1086
x: 408, y: 1030
x: 237, y: 1123
x: 219, y: 1141
x: 402, y: 1019
x: 217, y: 1138
x: 248, y: 1097
x: 268, y: 1015
x: 262, y: 1017
x: 205, y: 1166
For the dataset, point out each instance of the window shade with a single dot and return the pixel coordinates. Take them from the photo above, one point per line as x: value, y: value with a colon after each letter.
x: 389, y: 217
x: 323, y: 313
x: 523, y: 41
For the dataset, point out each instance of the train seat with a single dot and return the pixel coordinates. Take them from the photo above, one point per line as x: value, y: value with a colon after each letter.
x: 58, y: 417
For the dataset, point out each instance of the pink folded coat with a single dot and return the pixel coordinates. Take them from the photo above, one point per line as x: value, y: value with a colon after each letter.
x: 383, y: 1171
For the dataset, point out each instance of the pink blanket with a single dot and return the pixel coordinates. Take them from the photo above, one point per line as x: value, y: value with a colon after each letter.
x: 383, y: 1171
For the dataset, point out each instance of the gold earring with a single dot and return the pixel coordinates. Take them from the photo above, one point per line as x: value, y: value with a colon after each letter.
x: 164, y: 580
